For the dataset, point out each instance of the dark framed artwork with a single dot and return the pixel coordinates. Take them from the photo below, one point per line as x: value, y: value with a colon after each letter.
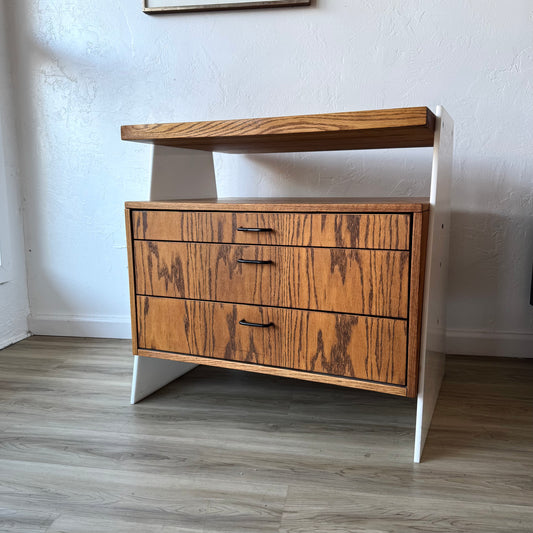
x: 157, y: 7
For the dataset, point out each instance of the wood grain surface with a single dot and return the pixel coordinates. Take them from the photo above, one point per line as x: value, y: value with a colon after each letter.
x: 230, y: 451
x: 353, y: 383
x: 131, y: 276
x: 292, y: 205
x: 385, y: 128
x: 369, y: 282
x: 416, y: 297
x: 370, y: 272
x: 381, y: 231
x: 340, y: 345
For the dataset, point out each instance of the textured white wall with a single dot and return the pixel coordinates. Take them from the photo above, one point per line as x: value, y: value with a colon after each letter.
x: 13, y: 292
x: 85, y: 68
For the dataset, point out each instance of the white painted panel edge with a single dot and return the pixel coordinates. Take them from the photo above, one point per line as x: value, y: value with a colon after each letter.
x: 433, y: 340
x: 177, y: 173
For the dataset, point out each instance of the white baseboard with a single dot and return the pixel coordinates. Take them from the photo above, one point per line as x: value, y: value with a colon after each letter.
x: 106, y: 327
x: 458, y: 341
x: 492, y: 343
x: 4, y: 343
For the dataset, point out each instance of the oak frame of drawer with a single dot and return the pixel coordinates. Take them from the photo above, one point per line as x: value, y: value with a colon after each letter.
x: 340, y: 280
x: 336, y: 344
x: 419, y: 218
x: 379, y: 231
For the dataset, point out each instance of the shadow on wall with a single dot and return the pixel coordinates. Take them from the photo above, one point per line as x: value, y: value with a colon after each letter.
x: 69, y: 228
x: 369, y: 173
x: 490, y: 272
x: 73, y: 192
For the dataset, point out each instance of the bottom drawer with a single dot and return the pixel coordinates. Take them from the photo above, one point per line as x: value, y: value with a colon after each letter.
x: 336, y: 344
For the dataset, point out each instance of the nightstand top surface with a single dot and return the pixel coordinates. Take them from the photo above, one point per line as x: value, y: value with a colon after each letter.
x: 305, y: 205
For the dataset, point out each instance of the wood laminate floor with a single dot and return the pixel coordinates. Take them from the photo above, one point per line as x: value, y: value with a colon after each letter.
x: 224, y: 451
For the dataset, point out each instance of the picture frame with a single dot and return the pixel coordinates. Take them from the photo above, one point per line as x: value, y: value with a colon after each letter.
x: 158, y: 7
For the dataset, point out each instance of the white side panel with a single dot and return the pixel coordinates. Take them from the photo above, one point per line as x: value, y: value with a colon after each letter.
x: 150, y: 374
x: 176, y: 174
x: 432, y: 348
x: 179, y: 174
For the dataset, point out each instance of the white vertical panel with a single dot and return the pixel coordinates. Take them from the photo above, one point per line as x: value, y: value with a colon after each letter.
x: 177, y: 173
x: 150, y: 374
x: 432, y: 347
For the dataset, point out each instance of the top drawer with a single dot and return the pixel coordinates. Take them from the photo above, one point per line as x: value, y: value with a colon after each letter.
x: 333, y: 230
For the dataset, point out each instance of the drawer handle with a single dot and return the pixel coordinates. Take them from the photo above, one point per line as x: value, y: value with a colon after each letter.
x: 255, y: 324
x: 255, y: 261
x: 256, y: 230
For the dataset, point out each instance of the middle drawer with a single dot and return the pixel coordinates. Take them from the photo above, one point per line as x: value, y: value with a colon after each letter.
x: 368, y: 282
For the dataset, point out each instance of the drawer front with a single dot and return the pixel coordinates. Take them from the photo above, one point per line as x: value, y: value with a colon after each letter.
x: 341, y: 345
x: 369, y: 282
x: 374, y: 231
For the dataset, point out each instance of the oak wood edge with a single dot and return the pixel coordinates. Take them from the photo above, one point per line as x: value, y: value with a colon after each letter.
x: 294, y: 205
x: 416, y: 298
x: 328, y: 142
x: 275, y: 371
x: 379, y: 119
x: 280, y: 145
x: 131, y: 275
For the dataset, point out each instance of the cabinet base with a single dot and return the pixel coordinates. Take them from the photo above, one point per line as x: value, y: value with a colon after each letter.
x: 182, y: 359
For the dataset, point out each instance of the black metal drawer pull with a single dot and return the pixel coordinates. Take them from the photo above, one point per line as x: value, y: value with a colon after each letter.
x: 256, y: 230
x: 254, y: 261
x: 255, y: 324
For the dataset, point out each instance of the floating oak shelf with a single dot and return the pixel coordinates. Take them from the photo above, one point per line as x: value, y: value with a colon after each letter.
x: 358, y: 130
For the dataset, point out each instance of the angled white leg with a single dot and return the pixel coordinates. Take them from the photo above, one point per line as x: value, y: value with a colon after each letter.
x: 177, y: 174
x: 150, y: 374
x: 432, y: 347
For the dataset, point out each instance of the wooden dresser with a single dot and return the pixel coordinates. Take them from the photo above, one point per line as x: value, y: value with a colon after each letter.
x: 348, y: 291
x: 325, y: 291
